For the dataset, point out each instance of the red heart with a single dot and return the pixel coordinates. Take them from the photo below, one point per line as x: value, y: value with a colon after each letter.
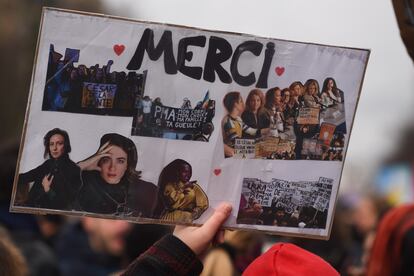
x: 217, y: 171
x: 119, y: 49
x: 279, y: 70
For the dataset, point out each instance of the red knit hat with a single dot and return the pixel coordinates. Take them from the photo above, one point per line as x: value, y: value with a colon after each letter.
x: 285, y: 259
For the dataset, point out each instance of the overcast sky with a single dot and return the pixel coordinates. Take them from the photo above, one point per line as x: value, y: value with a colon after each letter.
x: 387, y: 94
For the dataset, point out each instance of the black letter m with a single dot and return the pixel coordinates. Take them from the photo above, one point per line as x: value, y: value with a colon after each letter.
x: 154, y: 53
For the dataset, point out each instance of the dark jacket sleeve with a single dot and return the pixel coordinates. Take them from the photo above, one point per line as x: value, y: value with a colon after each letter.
x: 169, y: 256
x: 33, y: 175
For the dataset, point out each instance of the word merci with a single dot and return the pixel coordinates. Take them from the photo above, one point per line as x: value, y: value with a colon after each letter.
x: 219, y: 51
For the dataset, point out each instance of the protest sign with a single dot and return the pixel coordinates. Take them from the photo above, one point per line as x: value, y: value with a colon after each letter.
x: 159, y: 123
x: 295, y: 200
x: 98, y: 95
x: 308, y: 115
x: 244, y: 148
x: 326, y: 133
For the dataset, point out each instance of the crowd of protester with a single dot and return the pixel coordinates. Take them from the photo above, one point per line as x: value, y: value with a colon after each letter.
x: 65, y: 82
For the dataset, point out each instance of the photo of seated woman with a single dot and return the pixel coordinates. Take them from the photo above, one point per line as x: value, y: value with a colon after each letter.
x: 179, y: 199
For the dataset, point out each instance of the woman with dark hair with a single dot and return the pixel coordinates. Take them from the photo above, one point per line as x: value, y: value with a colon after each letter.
x: 111, y: 185
x: 57, y: 180
x: 274, y: 108
x: 179, y: 199
x: 274, y: 99
x: 254, y: 114
x: 331, y: 95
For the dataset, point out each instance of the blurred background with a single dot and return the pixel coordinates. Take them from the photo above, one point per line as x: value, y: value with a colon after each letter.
x: 378, y: 166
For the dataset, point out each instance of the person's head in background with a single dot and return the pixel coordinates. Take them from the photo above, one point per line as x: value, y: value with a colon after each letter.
x: 287, y: 259
x: 392, y: 253
x: 106, y: 236
x: 12, y: 261
x: 366, y: 213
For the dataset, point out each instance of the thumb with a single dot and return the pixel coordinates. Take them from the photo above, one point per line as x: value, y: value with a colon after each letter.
x: 211, y: 226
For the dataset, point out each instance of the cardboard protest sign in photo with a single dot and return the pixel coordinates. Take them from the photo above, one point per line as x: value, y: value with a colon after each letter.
x: 153, y: 122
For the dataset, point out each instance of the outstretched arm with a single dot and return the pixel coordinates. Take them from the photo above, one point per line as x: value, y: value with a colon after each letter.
x: 177, y: 254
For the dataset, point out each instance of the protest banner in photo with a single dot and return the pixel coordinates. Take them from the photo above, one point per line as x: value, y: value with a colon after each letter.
x: 308, y: 115
x: 159, y: 123
x: 326, y: 133
x: 285, y: 203
x: 98, y: 95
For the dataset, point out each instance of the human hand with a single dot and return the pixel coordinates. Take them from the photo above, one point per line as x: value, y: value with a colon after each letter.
x: 47, y: 182
x: 199, y: 238
x: 91, y: 163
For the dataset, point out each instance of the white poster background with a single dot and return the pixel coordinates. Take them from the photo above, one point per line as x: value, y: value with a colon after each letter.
x: 95, y: 36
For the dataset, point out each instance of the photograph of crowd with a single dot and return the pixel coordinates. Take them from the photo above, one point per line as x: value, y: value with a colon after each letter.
x: 302, y: 204
x: 89, y: 90
x: 299, y: 122
x: 154, y: 119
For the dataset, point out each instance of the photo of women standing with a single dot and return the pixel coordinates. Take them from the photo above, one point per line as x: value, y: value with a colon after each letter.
x: 111, y: 183
x: 179, y: 199
x: 55, y: 182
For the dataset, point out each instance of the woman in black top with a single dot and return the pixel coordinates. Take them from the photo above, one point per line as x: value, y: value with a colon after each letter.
x: 111, y: 185
x: 57, y: 180
x: 254, y: 115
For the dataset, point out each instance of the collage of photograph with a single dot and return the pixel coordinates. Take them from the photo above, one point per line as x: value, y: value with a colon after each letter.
x: 108, y: 182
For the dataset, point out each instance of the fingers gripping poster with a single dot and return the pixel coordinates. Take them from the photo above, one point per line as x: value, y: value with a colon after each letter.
x: 160, y: 123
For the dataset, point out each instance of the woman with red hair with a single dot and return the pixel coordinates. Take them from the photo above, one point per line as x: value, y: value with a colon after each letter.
x: 393, y: 250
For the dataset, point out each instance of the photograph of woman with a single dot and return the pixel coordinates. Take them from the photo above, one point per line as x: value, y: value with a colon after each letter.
x: 254, y: 114
x: 311, y: 97
x: 291, y: 106
x: 179, y: 199
x: 55, y: 182
x: 331, y: 95
x: 111, y: 184
x: 273, y: 100
x: 296, y: 89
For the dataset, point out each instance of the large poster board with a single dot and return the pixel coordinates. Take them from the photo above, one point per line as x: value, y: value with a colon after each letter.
x: 153, y: 122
